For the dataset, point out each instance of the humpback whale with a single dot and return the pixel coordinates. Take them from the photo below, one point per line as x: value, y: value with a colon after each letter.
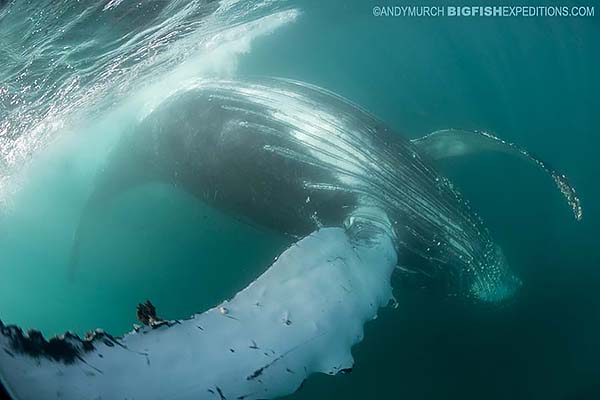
x: 294, y: 157
x: 357, y: 198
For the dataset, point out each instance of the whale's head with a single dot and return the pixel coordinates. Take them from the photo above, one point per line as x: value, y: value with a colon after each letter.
x: 492, y: 281
x: 484, y: 276
x: 445, y: 246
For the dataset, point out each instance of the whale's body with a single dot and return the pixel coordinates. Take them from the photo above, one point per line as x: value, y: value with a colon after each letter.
x: 293, y: 157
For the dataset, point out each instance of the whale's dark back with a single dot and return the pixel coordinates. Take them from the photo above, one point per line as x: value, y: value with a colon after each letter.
x: 206, y: 146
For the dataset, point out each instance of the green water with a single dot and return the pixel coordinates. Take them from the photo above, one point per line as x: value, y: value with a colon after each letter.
x: 533, y: 81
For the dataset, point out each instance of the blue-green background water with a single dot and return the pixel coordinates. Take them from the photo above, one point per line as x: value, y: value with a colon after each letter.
x: 533, y: 81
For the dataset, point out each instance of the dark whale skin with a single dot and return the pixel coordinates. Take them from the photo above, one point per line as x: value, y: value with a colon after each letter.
x: 293, y: 157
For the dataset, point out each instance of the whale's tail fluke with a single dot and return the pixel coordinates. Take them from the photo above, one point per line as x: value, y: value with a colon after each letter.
x: 84, y: 226
x: 455, y: 142
x: 119, y: 176
x: 74, y: 254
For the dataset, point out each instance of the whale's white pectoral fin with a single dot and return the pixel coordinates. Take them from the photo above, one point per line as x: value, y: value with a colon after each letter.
x: 302, y: 316
x: 455, y: 142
